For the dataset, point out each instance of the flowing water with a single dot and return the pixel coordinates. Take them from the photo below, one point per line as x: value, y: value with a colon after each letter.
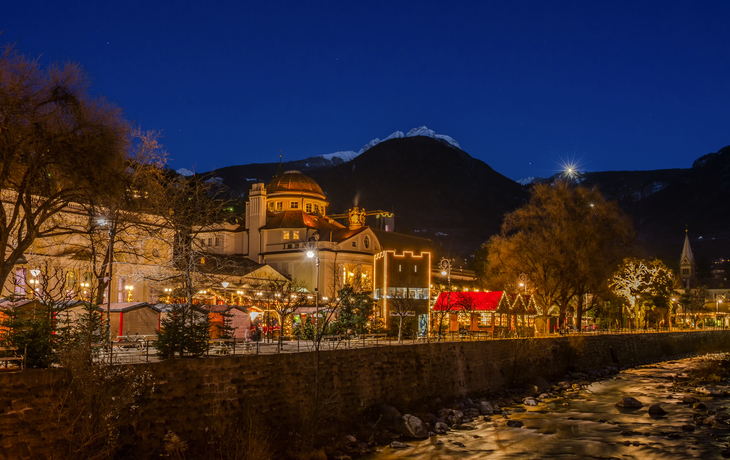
x: 589, y: 425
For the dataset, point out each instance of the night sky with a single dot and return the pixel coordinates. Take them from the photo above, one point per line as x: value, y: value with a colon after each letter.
x: 521, y: 85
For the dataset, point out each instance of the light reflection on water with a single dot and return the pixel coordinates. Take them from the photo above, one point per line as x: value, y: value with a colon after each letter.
x: 587, y: 427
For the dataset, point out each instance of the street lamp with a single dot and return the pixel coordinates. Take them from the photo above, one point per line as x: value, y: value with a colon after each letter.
x: 445, y: 266
x: 225, y: 285
x: 169, y: 293
x: 311, y: 253
x: 523, y: 281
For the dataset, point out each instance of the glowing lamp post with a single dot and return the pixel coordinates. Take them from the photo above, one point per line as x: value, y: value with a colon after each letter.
x: 315, y: 254
x: 225, y: 285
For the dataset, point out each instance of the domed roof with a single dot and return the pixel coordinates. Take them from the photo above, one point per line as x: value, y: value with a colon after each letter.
x: 294, y: 181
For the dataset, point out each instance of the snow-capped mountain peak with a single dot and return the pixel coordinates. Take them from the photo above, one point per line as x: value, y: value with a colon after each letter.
x: 348, y: 155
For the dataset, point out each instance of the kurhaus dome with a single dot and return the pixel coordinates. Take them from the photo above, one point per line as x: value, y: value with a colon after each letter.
x: 294, y: 182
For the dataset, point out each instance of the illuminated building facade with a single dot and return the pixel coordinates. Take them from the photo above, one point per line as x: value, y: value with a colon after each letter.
x: 287, y: 218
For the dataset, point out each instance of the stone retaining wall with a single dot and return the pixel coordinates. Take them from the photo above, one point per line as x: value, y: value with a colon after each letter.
x: 279, y: 390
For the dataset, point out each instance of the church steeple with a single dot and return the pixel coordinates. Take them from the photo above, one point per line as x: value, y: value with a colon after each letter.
x: 687, y: 263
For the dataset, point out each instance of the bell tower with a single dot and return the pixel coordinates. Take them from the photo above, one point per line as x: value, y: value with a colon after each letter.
x: 255, y: 219
x: 687, y: 268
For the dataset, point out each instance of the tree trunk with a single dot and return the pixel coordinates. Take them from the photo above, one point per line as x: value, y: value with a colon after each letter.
x: 579, y: 313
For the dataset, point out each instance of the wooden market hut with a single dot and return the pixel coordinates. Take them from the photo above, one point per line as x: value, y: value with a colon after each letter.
x: 239, y: 320
x: 496, y: 312
x: 522, y: 314
x: 472, y: 311
x: 134, y: 318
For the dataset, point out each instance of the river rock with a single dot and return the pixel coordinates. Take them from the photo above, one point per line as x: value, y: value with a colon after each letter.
x: 709, y: 391
x: 656, y: 409
x: 529, y: 402
x: 351, y: 438
x: 629, y: 403
x: 398, y: 445
x: 389, y: 416
x: 412, y: 427
x: 688, y: 427
x: 485, y: 408
x: 441, y: 427
x: 541, y: 384
x: 699, y: 406
x: 455, y: 418
x: 514, y: 423
x: 687, y: 399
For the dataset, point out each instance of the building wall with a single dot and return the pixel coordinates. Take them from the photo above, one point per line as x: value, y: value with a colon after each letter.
x: 191, y: 394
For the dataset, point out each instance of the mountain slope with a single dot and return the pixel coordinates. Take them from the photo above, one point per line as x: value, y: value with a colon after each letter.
x: 430, y: 185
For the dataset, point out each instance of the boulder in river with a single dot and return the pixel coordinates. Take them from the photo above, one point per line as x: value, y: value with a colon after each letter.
x: 441, y: 427
x: 412, y: 427
x: 530, y: 402
x: 656, y: 409
x: 514, y: 423
x: 485, y: 408
x: 629, y: 403
x: 389, y: 416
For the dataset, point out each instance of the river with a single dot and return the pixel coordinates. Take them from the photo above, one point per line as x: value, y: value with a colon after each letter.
x: 588, y: 425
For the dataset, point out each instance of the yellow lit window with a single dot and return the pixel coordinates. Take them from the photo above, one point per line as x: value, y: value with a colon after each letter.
x: 295, y: 235
x: 286, y: 234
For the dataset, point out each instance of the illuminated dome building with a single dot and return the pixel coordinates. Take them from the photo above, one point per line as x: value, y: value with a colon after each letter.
x: 288, y: 217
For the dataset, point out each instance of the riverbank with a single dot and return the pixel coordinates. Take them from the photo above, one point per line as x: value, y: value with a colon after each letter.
x: 300, y: 400
x: 683, y: 414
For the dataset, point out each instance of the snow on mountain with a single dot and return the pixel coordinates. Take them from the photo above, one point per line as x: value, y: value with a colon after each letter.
x: 423, y: 131
x: 526, y: 180
x: 348, y: 155
x: 184, y: 172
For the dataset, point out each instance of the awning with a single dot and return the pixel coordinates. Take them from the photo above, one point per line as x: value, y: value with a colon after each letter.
x: 469, y: 301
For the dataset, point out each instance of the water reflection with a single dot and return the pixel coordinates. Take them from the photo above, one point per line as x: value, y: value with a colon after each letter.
x: 588, y: 426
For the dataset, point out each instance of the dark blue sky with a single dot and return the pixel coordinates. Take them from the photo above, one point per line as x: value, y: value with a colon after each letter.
x: 522, y: 85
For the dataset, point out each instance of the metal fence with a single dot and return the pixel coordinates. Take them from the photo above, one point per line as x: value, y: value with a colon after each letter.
x: 144, y: 351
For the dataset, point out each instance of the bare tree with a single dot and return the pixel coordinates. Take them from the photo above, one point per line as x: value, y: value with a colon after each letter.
x: 402, y: 306
x: 58, y: 146
x: 188, y: 207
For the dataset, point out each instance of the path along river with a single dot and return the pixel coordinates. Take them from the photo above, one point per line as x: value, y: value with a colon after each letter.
x: 589, y: 425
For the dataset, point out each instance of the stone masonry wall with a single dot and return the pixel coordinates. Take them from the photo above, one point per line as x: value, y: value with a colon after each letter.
x: 279, y: 390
